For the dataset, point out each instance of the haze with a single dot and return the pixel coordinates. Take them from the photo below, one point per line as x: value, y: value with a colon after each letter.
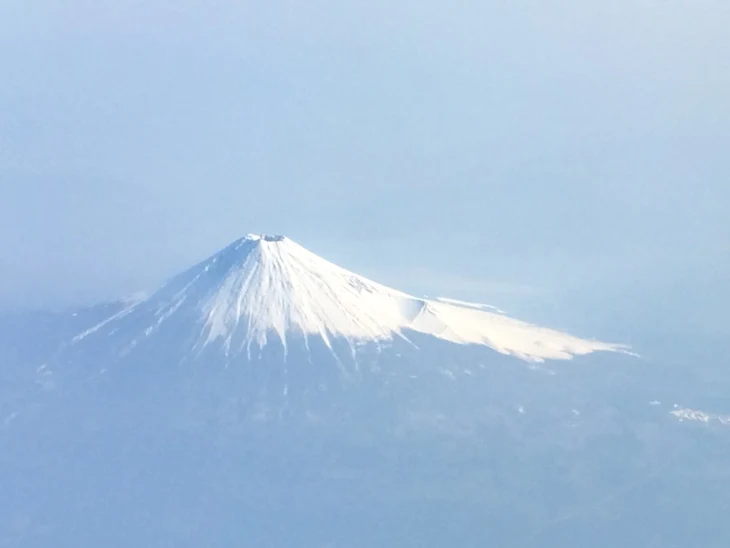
x: 539, y: 156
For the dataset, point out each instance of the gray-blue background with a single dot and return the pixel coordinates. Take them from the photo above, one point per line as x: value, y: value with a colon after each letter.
x: 565, y: 160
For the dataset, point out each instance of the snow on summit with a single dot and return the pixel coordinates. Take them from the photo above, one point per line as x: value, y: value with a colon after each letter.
x: 263, y: 288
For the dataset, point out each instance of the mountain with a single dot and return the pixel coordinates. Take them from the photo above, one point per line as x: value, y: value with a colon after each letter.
x: 267, y: 397
x: 290, y: 329
x: 268, y: 290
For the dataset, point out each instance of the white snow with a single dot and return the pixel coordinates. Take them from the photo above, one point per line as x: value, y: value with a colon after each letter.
x: 110, y: 320
x: 466, y: 325
x: 263, y: 286
x: 685, y: 413
x: 275, y: 285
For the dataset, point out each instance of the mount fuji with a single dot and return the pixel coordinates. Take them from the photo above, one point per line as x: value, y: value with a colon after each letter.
x: 267, y: 397
x: 286, y: 327
x: 263, y: 291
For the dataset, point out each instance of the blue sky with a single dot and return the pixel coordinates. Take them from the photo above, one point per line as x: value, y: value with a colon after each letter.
x: 538, y: 155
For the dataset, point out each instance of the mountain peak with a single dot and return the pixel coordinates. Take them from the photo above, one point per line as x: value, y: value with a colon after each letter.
x: 265, y: 238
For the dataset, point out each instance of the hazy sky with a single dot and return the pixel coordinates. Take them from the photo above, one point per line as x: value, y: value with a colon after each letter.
x: 513, y: 151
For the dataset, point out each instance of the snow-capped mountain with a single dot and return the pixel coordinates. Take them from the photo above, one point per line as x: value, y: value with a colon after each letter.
x: 264, y: 291
x: 267, y: 384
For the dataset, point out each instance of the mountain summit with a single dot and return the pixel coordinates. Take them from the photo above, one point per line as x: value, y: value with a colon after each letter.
x: 264, y: 290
